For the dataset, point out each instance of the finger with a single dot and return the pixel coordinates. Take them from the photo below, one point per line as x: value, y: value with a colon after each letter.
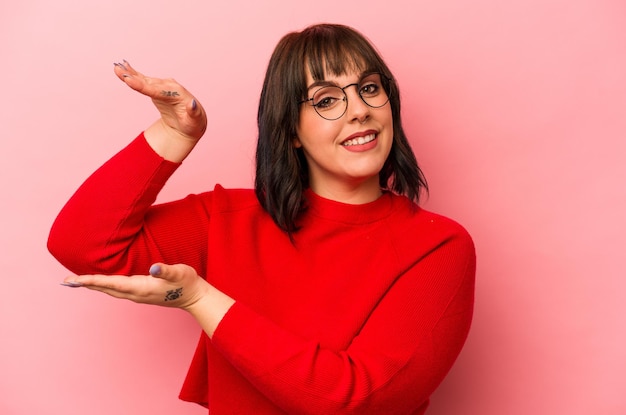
x: 114, y: 293
x: 105, y: 284
x: 172, y: 273
x: 195, y: 109
x: 72, y: 284
x: 197, y: 118
x: 135, y: 80
x: 124, y: 68
x: 126, y: 65
x: 120, y: 283
x: 156, y: 269
x: 166, y: 272
x: 166, y: 88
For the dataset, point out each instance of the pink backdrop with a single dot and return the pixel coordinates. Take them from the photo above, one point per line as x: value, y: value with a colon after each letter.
x: 516, y: 110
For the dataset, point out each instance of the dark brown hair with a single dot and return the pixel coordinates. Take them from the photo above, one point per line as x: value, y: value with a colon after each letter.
x: 281, y: 168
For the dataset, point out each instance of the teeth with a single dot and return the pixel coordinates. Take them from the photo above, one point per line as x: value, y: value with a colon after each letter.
x: 359, y: 140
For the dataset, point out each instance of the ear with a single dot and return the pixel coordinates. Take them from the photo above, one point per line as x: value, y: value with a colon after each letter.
x: 296, y: 142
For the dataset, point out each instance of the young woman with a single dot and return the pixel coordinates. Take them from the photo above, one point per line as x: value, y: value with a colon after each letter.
x: 327, y: 289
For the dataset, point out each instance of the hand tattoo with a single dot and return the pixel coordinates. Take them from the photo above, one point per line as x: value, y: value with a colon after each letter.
x: 172, y: 295
x: 170, y: 94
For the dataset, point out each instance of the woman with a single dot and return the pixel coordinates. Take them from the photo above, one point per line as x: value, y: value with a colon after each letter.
x: 327, y: 289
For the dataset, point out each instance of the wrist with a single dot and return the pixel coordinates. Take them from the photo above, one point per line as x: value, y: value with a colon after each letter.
x: 210, y: 308
x: 169, y: 143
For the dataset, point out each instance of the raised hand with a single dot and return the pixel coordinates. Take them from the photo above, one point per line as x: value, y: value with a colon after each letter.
x: 183, y: 120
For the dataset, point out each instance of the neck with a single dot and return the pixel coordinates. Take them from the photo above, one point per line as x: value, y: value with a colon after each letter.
x: 350, y: 193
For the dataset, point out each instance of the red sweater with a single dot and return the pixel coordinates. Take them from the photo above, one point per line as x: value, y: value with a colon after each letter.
x: 364, y: 313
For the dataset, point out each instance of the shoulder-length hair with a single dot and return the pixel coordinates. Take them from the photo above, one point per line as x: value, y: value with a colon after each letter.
x: 281, y: 168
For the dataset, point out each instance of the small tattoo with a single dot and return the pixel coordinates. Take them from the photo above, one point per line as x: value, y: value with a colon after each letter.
x: 170, y: 94
x: 172, y: 295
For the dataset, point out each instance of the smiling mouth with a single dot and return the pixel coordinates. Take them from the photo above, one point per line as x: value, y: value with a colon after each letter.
x: 359, y: 140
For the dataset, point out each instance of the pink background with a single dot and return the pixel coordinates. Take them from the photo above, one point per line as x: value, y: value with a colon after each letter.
x: 516, y: 110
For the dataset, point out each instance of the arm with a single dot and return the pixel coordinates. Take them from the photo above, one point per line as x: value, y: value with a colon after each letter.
x: 109, y: 224
x: 402, y: 353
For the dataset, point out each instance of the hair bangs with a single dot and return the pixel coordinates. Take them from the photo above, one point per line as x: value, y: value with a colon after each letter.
x: 330, y: 53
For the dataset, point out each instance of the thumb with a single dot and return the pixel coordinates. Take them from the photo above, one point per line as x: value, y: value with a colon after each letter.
x: 196, y: 112
x: 194, y: 108
x: 156, y: 270
x: 164, y: 271
x: 170, y: 272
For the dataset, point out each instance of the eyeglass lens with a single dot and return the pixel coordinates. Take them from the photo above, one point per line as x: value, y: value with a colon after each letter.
x: 331, y: 102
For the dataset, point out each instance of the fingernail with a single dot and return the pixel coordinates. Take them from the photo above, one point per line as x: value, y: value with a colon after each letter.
x: 155, y: 270
x: 126, y: 75
x: 72, y: 284
x: 194, y: 104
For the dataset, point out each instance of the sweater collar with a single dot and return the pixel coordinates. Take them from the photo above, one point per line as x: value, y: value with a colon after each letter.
x: 349, y: 213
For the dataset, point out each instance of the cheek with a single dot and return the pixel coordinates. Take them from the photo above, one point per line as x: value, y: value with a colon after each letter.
x: 305, y: 124
x: 388, y: 116
x: 312, y: 128
x: 389, y: 122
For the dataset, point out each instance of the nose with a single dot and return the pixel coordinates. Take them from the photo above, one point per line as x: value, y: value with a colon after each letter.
x: 357, y: 109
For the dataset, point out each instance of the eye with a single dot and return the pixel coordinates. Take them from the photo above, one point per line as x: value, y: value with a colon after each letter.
x: 327, y: 98
x: 370, y: 89
x: 325, y: 102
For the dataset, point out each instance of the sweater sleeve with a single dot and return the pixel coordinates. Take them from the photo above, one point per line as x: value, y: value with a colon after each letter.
x: 402, y: 353
x: 110, y: 225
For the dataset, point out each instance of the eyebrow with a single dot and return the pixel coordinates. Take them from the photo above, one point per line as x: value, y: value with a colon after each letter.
x: 324, y: 82
x: 321, y: 83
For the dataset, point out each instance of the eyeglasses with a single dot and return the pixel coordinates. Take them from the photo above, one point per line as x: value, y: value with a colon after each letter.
x: 331, y: 102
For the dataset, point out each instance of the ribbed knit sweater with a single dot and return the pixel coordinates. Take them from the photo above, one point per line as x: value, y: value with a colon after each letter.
x: 364, y: 312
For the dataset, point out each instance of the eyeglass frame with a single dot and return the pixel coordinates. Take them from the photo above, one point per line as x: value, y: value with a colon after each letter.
x: 343, y: 90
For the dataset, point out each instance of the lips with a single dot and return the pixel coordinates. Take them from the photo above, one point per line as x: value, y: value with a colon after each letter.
x: 359, y: 139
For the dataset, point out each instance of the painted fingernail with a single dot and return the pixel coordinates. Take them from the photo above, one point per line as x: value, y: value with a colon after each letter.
x: 194, y: 104
x: 72, y: 284
x: 155, y: 270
